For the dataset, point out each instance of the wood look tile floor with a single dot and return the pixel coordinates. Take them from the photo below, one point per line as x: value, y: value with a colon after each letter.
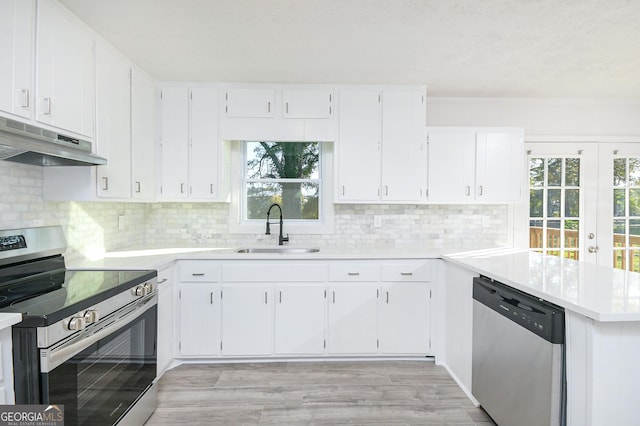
x: 313, y: 393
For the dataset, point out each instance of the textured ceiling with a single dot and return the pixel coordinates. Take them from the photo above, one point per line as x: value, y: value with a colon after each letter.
x: 537, y: 48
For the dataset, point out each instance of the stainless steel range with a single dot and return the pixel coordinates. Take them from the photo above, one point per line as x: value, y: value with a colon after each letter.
x: 87, y: 339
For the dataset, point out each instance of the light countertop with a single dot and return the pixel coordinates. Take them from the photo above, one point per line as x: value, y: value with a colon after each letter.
x: 7, y: 320
x: 598, y: 292
x: 159, y: 258
x: 601, y: 293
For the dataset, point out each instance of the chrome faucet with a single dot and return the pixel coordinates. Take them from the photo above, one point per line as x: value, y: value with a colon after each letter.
x: 281, y: 238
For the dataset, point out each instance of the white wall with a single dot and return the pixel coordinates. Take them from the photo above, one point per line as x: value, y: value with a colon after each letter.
x: 586, y: 118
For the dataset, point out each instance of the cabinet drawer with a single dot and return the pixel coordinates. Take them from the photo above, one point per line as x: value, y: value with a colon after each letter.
x: 199, y: 271
x: 350, y: 271
x: 409, y: 271
x: 274, y: 272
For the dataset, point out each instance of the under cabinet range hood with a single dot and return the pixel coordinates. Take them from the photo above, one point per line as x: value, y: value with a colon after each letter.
x: 24, y: 143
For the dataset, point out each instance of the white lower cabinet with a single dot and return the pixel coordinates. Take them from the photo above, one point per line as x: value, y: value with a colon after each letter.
x: 200, y: 309
x: 300, y: 314
x: 199, y: 320
x: 304, y: 308
x: 247, y: 319
x: 353, y: 314
x: 405, y: 307
x: 404, y: 326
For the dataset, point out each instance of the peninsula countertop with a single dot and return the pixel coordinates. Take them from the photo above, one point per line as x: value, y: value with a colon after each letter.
x: 598, y: 292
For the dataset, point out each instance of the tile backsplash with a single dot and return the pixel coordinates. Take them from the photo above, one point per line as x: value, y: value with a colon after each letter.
x: 94, y: 227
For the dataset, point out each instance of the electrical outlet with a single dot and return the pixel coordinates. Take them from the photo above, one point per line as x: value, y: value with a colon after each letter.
x: 121, y: 221
x: 377, y: 221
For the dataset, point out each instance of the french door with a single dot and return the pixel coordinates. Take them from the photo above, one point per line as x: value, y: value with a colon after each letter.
x: 562, y: 190
x: 584, y: 202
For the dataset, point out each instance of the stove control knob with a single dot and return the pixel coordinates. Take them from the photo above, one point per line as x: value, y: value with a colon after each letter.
x: 138, y: 290
x: 148, y: 287
x: 76, y: 323
x: 91, y: 316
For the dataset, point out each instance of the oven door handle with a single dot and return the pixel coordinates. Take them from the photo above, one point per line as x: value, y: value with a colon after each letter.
x: 52, y: 358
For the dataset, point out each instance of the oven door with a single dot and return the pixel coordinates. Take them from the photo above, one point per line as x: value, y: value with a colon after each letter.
x: 101, y: 375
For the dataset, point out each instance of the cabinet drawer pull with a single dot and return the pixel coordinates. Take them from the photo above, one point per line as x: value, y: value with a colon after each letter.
x: 353, y: 274
x: 198, y: 274
x: 406, y: 274
x: 164, y: 280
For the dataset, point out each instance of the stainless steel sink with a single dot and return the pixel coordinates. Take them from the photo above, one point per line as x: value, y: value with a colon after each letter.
x: 279, y: 250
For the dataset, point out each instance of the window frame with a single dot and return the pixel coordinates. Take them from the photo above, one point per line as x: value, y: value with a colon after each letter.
x: 238, y: 186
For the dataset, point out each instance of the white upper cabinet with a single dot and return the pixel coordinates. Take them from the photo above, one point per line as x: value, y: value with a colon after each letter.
x: 250, y: 102
x: 65, y: 72
x: 475, y: 165
x: 307, y: 103
x: 404, y: 158
x: 359, y: 145
x: 189, y: 142
x: 17, y: 42
x: 203, y: 164
x: 113, y: 135
x: 381, y: 145
x: 143, y: 135
x: 174, y: 145
x: 276, y: 112
x: 500, y: 167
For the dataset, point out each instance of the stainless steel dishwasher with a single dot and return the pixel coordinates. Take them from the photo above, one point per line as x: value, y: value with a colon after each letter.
x: 518, y: 356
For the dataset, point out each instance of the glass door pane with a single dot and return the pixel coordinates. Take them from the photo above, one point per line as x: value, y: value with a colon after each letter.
x: 624, y: 193
x: 555, y: 207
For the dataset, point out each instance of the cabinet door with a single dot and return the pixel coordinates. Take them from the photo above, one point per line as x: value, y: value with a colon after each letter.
x: 306, y: 103
x: 113, y: 136
x: 451, y: 165
x: 203, y: 157
x: 143, y: 135
x: 65, y: 71
x: 250, y: 103
x: 17, y: 33
x: 500, y: 166
x: 405, y: 318
x: 199, y: 319
x: 174, y: 164
x: 359, y: 142
x: 404, y: 158
x: 300, y: 319
x: 166, y: 319
x: 353, y: 314
x: 247, y: 319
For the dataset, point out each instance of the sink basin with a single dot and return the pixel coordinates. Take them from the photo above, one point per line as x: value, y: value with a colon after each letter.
x: 279, y: 250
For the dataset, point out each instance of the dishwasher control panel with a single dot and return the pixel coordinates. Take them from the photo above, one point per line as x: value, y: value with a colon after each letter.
x: 539, y: 316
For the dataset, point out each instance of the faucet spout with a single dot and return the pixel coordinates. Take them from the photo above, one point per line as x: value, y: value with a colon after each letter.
x: 281, y: 238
